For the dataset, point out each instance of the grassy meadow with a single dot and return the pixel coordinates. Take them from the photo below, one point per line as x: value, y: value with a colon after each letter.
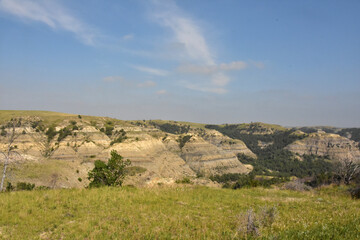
x: 181, y: 212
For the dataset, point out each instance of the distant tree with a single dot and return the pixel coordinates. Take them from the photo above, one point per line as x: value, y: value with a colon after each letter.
x: 110, y: 174
x: 347, y: 169
x: 10, y: 133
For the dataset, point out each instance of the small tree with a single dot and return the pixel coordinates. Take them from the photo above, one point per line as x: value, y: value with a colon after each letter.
x: 110, y: 174
x: 9, y: 132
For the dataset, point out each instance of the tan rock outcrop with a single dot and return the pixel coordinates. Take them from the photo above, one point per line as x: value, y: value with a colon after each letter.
x: 326, y: 144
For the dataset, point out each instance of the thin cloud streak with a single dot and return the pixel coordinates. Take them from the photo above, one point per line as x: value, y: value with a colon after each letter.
x: 217, y: 90
x: 210, y: 69
x: 153, y: 71
x: 51, y: 14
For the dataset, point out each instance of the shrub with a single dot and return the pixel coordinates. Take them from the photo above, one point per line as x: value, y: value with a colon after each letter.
x: 355, y: 192
x: 108, y: 130
x: 9, y: 187
x: 63, y: 133
x: 110, y: 174
x: 120, y: 137
x: 182, y: 140
x: 50, y: 133
x: 251, y: 222
x: 185, y: 180
x: 296, y: 185
x: 237, y: 180
x: 200, y: 174
x: 25, y: 186
x: 321, y: 179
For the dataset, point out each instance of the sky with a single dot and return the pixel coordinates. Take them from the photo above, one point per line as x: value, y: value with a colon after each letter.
x: 294, y: 63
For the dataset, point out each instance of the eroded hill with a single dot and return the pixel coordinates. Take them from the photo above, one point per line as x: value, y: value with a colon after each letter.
x: 58, y: 150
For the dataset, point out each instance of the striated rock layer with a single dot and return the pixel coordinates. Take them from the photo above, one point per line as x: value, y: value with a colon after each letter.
x: 325, y: 144
x: 64, y: 162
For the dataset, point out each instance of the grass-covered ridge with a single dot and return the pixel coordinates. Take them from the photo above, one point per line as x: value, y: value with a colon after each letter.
x: 50, y: 118
x: 175, y: 213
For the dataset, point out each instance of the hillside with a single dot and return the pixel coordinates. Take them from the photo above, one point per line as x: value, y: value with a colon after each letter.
x: 290, y: 151
x: 57, y: 150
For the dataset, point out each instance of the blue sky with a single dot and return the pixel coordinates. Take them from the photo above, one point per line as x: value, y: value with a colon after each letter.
x: 294, y: 63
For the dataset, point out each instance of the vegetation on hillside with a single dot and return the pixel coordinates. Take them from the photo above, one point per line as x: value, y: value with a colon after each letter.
x: 353, y: 132
x: 111, y: 173
x: 273, y: 159
x: 171, y: 128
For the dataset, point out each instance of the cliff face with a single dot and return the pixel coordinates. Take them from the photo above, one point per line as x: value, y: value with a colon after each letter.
x: 326, y: 144
x: 67, y: 156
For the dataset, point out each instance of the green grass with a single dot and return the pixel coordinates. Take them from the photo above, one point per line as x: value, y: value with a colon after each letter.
x: 47, y: 116
x: 54, y: 118
x: 191, y: 124
x: 174, y: 213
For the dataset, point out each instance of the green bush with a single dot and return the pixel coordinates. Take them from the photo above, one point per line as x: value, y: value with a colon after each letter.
x: 120, y: 137
x: 182, y: 140
x: 64, y: 132
x: 185, y: 180
x: 9, y: 187
x: 108, y: 130
x: 110, y: 174
x: 51, y: 133
x: 24, y: 186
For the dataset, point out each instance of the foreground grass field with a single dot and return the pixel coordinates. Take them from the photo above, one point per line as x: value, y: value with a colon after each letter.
x: 175, y: 213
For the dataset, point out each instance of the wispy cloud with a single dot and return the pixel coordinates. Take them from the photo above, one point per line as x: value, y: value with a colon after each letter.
x: 146, y: 84
x: 153, y: 71
x: 50, y: 13
x: 186, y: 31
x: 199, y: 57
